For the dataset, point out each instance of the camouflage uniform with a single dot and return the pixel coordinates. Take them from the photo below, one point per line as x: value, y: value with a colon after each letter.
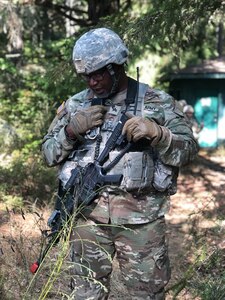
x: 191, y: 120
x: 133, y: 220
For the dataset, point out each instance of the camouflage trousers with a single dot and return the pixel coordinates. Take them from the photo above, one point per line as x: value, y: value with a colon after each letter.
x: 142, y: 255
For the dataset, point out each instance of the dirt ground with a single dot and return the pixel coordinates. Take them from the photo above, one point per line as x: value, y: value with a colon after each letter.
x: 196, y: 218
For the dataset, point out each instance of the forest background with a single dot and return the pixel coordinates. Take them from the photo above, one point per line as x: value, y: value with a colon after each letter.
x: 37, y: 73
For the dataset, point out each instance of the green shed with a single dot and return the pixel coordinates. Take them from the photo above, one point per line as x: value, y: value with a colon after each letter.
x: 203, y: 87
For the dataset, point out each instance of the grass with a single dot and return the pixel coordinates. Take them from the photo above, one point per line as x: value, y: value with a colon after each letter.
x: 21, y: 245
x: 203, y: 278
x: 19, y: 242
x: 198, y: 270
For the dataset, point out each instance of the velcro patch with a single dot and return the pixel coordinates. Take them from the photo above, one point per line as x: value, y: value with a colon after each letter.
x: 61, y: 111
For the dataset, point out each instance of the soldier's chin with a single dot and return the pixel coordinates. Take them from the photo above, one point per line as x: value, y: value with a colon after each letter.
x: 101, y: 94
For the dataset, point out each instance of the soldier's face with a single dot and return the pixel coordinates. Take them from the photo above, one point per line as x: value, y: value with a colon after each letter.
x: 189, y: 114
x: 99, y: 82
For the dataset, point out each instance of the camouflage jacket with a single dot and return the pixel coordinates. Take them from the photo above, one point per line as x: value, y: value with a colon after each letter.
x: 115, y: 204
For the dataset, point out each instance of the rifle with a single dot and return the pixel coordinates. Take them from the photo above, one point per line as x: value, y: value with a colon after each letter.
x: 91, y: 178
x: 86, y: 182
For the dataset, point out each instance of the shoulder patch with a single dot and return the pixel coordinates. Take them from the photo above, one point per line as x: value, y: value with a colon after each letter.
x: 151, y: 96
x: 61, y: 111
x: 60, y: 108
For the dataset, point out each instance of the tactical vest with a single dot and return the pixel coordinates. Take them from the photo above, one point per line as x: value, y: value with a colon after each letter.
x: 141, y: 169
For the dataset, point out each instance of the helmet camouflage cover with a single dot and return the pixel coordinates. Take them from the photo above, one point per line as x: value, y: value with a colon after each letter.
x: 98, y: 48
x: 188, y: 109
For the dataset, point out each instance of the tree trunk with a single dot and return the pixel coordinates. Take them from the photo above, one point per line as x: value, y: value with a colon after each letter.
x: 220, y: 39
x: 99, y: 8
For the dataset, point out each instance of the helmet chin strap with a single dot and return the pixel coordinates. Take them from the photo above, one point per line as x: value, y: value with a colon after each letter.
x: 115, y: 80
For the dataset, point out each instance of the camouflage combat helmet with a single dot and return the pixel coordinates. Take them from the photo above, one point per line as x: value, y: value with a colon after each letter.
x: 188, y: 109
x: 98, y: 48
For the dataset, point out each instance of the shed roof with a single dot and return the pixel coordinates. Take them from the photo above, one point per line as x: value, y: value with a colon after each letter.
x: 214, y: 68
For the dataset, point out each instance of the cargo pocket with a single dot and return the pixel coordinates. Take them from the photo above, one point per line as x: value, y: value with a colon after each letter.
x: 162, y: 271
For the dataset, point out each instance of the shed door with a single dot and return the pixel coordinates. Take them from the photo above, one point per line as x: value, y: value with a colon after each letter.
x: 206, y: 112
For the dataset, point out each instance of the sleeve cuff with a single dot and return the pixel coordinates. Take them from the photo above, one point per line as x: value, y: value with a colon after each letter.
x: 165, y: 141
x: 67, y: 143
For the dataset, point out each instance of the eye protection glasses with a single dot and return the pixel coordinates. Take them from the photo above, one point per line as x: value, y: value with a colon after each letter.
x: 96, y: 76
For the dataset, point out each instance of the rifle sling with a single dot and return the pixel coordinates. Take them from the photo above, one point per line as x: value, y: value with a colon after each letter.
x: 131, y: 91
x: 132, y: 97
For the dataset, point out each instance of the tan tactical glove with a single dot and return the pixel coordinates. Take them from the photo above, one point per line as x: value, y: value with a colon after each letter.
x: 84, y: 120
x: 137, y: 128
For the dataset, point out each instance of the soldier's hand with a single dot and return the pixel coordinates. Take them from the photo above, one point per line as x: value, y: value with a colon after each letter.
x: 86, y: 119
x: 137, y: 128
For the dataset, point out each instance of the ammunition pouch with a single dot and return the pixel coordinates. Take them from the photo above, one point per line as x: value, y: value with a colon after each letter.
x: 143, y: 173
x: 165, y: 177
x: 137, y: 169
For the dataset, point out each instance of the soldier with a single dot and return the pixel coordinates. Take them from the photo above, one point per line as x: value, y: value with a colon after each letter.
x: 196, y: 127
x: 182, y: 103
x: 126, y: 219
